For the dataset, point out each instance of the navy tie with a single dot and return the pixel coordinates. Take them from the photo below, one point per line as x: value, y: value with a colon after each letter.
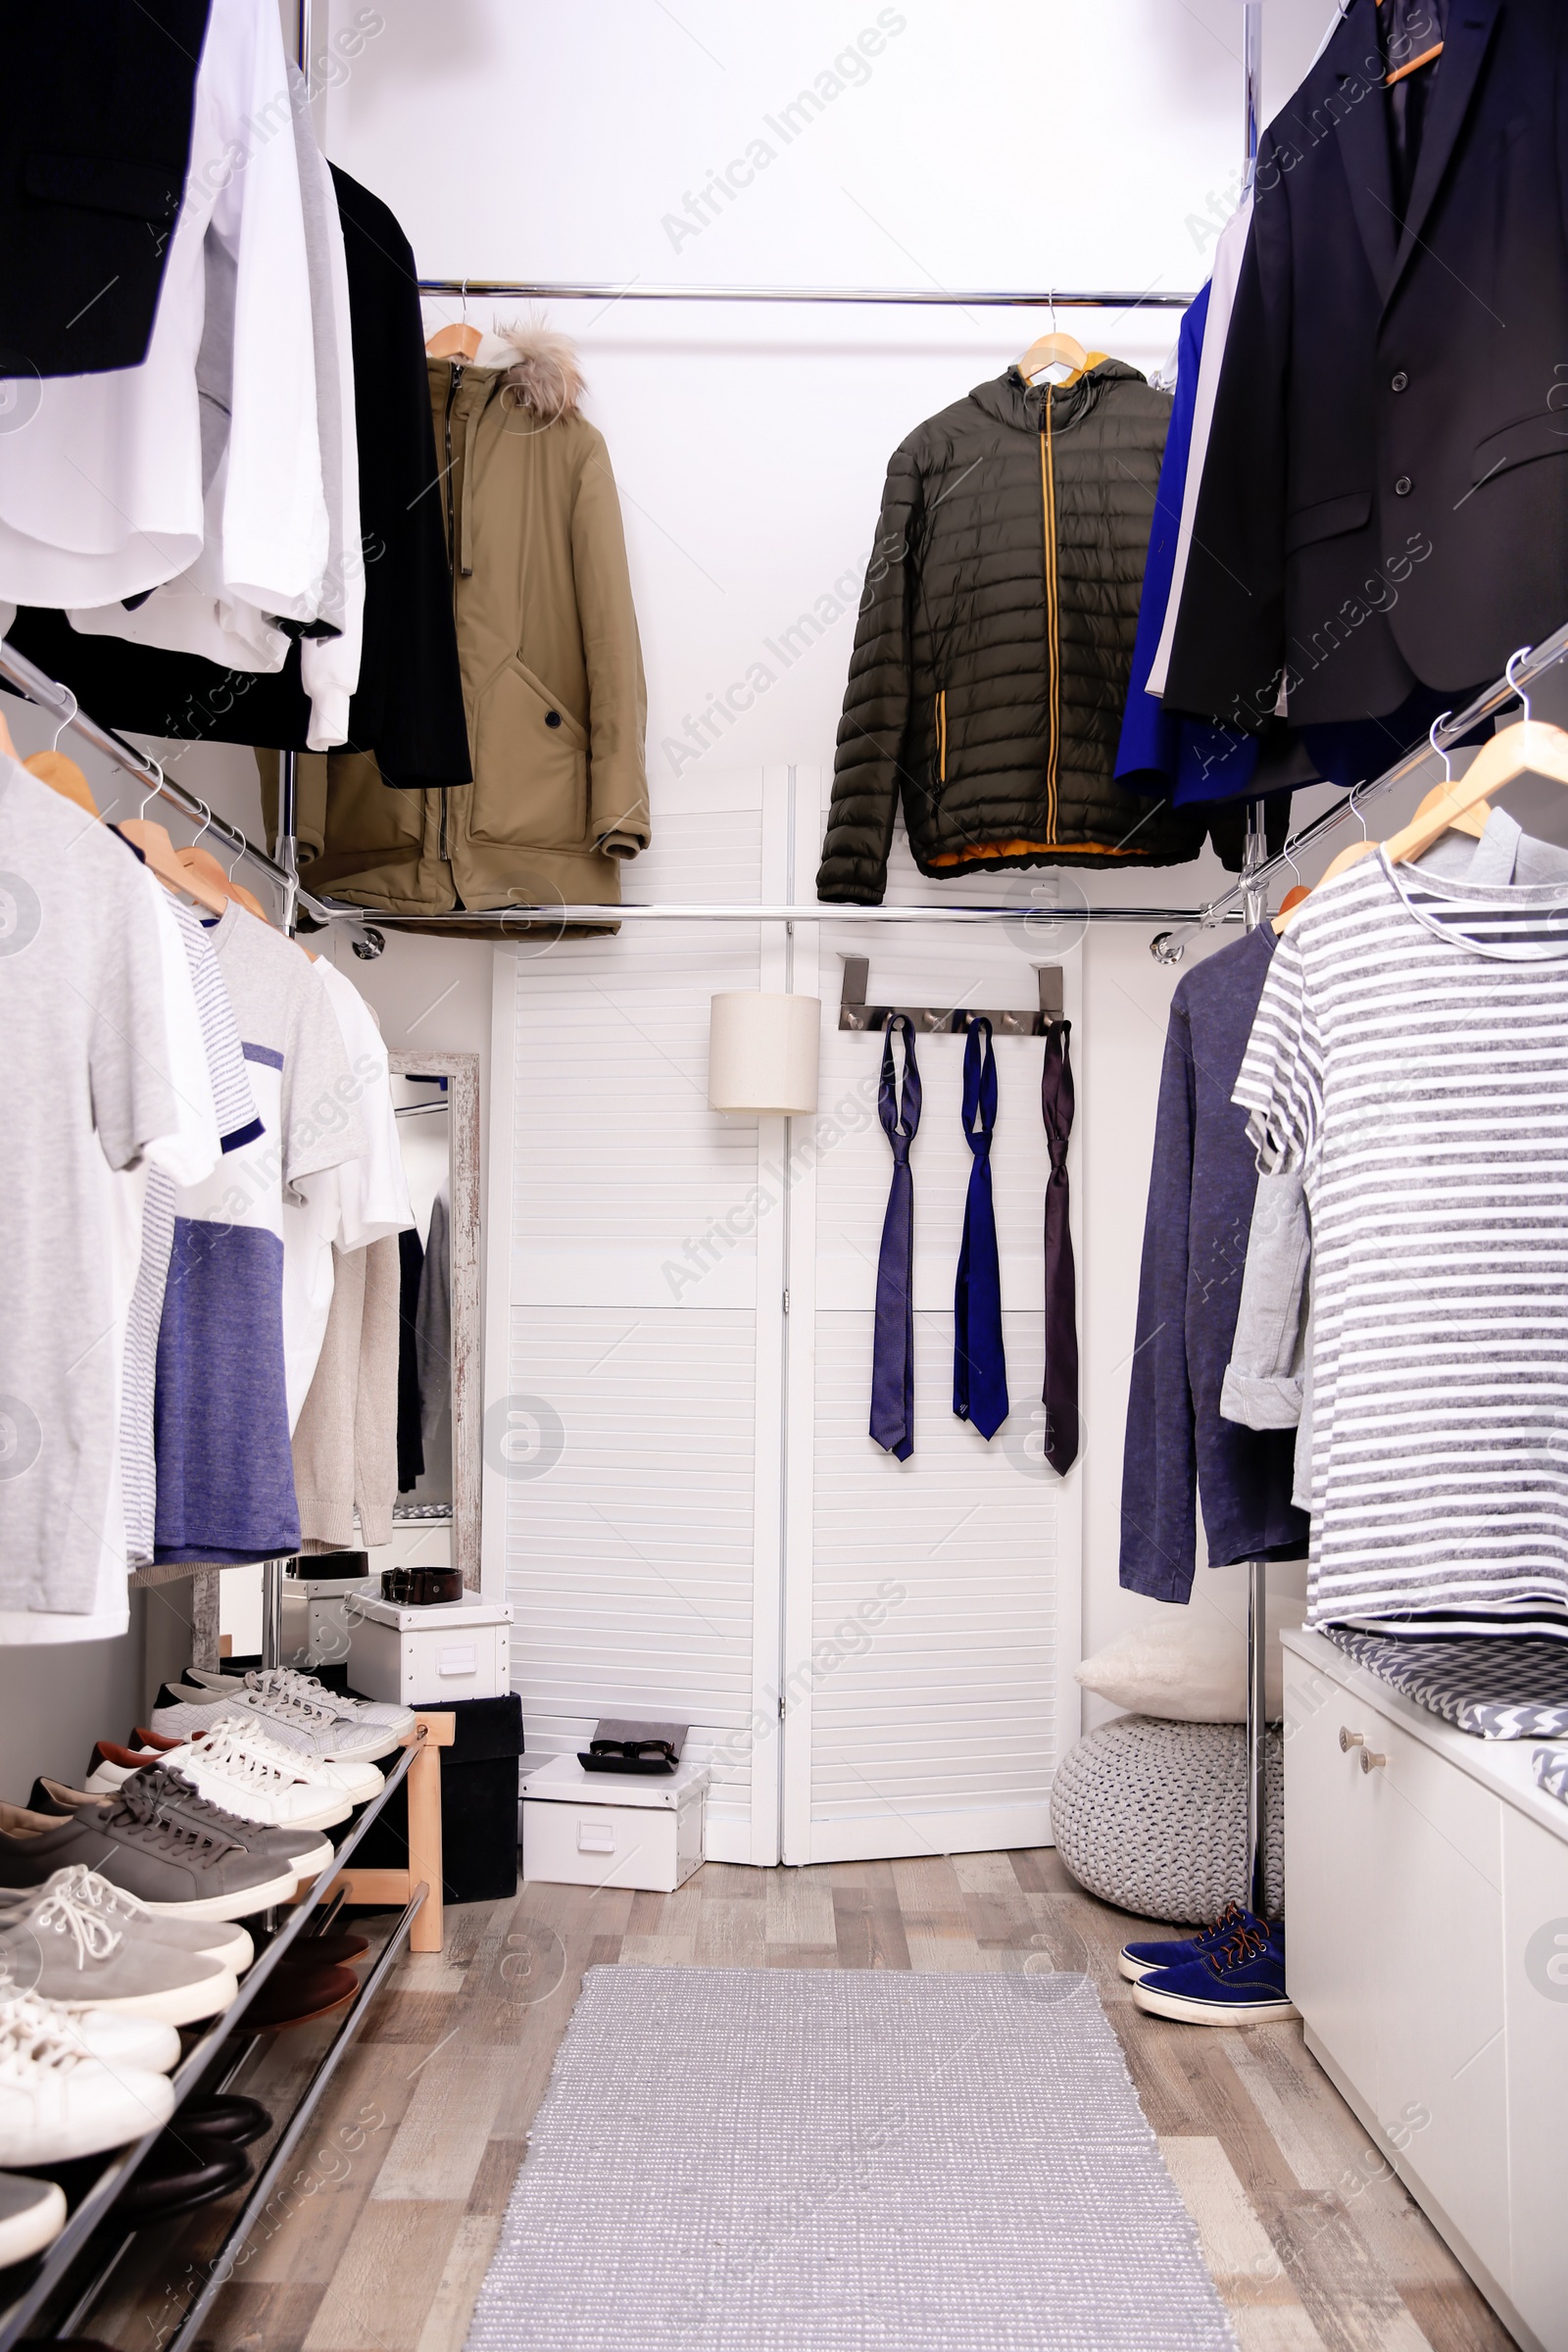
x: 893, y: 1346
x: 979, y: 1360
x: 1060, y: 1396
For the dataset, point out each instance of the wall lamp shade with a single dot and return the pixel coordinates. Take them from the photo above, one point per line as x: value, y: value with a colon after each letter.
x: 763, y: 1052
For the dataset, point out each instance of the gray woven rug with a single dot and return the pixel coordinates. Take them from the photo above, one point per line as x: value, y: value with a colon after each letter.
x: 816, y: 2160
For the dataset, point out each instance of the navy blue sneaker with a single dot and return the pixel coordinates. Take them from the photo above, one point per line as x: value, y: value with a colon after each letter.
x: 1139, y: 1960
x: 1241, y: 1982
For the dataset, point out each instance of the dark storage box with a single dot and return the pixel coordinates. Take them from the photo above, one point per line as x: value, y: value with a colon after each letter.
x: 479, y: 1805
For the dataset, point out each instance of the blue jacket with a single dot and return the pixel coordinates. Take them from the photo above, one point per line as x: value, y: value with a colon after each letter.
x: 1200, y: 1192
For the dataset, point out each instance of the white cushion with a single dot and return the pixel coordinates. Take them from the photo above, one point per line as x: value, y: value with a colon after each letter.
x: 1189, y: 1666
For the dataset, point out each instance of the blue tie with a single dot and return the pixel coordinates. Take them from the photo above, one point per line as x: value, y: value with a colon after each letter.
x: 893, y: 1346
x: 979, y: 1359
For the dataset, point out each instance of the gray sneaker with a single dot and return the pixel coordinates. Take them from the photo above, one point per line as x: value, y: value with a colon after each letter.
x: 168, y: 1863
x: 379, y: 1713
x: 212, y: 1940
x: 66, y: 1952
x: 305, y: 1850
x: 32, y: 2214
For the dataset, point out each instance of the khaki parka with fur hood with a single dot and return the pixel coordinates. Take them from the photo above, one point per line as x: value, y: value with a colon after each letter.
x: 551, y: 669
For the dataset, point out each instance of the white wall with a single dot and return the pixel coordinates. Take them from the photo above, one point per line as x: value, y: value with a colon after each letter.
x: 986, y: 143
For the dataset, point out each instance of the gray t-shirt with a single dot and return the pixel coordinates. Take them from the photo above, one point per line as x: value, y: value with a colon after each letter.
x: 81, y: 1011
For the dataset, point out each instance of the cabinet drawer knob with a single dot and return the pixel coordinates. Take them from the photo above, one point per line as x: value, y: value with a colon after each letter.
x: 1350, y: 1739
x: 1370, y: 1762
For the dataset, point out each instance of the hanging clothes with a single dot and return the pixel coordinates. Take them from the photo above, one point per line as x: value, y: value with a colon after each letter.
x: 432, y: 1323
x: 1409, y: 1060
x: 979, y: 1356
x: 237, y: 1124
x: 410, y: 1446
x: 363, y: 1199
x: 407, y: 705
x: 551, y: 657
x: 1387, y: 511
x: 201, y: 612
x: 1059, y: 1393
x: 1179, y: 1449
x: 101, y: 498
x: 346, y: 1438
x: 226, y: 1484
x: 82, y: 1012
x: 995, y: 640
x: 893, y: 1338
x: 1158, y: 750
x: 93, y: 169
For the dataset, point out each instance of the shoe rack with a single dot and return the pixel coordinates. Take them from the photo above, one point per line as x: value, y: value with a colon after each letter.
x: 52, y: 2297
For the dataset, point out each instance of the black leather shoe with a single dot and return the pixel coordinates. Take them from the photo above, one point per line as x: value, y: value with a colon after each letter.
x: 228, y: 2117
x: 174, y: 2178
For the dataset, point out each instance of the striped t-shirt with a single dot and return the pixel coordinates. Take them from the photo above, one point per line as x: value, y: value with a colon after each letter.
x: 1411, y: 1059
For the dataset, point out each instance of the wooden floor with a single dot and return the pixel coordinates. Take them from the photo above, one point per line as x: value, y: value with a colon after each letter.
x: 384, y: 2231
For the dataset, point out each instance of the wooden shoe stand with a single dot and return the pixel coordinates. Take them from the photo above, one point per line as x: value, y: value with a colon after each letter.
x: 388, y: 1886
x: 52, y: 2298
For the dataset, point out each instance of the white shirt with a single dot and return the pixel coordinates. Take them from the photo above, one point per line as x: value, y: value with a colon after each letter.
x: 360, y: 1202
x: 101, y: 489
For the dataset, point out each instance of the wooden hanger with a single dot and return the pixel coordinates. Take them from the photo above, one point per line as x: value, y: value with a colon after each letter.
x: 1471, y: 820
x: 1057, y: 351
x: 6, y: 744
x: 159, y: 852
x: 1533, y: 748
x: 197, y: 860
x: 62, y: 776
x: 453, y: 343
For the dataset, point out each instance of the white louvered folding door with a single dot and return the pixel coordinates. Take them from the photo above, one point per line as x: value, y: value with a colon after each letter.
x: 682, y: 1500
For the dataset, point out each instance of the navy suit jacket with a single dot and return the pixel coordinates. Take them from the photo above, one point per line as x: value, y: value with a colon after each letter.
x: 1385, y: 502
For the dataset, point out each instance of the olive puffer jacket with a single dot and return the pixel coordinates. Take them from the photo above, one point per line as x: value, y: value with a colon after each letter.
x: 996, y: 637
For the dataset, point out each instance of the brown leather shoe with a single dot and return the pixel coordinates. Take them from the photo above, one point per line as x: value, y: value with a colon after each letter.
x: 293, y: 1996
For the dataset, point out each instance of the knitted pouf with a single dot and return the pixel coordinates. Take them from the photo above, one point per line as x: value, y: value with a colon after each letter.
x: 1151, y: 1816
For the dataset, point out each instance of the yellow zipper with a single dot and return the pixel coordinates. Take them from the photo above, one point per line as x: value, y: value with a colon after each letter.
x: 1048, y: 503
x: 942, y: 736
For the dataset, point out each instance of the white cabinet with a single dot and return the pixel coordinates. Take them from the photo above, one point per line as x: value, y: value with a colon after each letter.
x: 1428, y: 1879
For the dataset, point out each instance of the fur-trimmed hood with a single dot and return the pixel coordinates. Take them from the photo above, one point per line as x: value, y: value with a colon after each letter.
x: 544, y: 375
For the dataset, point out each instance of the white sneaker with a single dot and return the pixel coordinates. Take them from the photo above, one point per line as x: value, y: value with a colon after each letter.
x: 57, y: 2103
x: 104, y: 2033
x: 230, y: 1770
x: 215, y: 1939
x: 356, y: 1783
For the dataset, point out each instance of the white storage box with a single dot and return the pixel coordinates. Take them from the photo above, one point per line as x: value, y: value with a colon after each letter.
x: 604, y: 1829
x: 318, y: 1612
x: 428, y: 1657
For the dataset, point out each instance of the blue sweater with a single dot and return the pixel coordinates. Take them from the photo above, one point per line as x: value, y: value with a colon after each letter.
x: 1200, y: 1192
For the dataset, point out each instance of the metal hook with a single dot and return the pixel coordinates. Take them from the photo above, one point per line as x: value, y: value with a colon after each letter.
x: 207, y: 818
x: 154, y: 790
x: 1507, y: 671
x: 65, y: 721
x: 1432, y: 738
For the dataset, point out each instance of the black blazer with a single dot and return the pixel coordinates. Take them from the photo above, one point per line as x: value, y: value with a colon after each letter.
x: 1385, y: 499
x: 92, y: 169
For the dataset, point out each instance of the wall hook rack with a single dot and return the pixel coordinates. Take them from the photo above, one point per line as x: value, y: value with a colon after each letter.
x: 948, y: 1020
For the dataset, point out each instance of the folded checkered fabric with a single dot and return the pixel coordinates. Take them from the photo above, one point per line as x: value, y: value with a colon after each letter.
x: 1552, y: 1771
x: 1494, y: 1686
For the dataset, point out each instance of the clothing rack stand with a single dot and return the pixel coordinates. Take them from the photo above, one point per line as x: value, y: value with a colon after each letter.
x: 1050, y: 297
x: 1168, y: 946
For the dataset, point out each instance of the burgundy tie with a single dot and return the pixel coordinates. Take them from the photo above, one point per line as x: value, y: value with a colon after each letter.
x: 1059, y: 1394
